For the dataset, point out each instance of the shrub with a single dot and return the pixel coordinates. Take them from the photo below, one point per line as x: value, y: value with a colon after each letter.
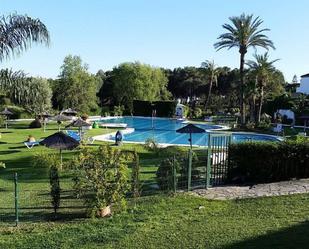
x: 197, y: 112
x: 165, y: 174
x: 53, y: 164
x: 118, y: 110
x: 259, y: 162
x: 250, y: 125
x: 152, y: 145
x: 102, y: 179
x: 263, y: 125
x: 35, y: 124
x: 186, y: 111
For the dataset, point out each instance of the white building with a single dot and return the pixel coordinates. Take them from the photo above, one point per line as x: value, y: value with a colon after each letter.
x: 304, y: 84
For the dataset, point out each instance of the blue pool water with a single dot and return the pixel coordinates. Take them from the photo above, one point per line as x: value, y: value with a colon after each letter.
x: 164, y: 131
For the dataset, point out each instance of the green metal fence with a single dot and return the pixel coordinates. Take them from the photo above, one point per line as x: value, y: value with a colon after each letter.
x: 217, y: 158
x: 23, y: 201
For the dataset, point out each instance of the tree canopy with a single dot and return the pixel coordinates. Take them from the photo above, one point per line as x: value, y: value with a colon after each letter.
x: 130, y: 81
x: 76, y: 87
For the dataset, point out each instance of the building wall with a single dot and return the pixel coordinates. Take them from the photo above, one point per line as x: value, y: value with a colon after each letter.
x: 304, y: 85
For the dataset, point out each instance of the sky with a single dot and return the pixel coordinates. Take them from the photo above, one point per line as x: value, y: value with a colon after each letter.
x: 162, y: 33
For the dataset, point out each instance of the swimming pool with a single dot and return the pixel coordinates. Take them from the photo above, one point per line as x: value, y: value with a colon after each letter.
x: 163, y: 131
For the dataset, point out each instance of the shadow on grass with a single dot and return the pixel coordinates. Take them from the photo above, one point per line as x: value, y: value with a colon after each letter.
x: 17, y: 147
x: 7, y: 152
x: 296, y: 237
x: 44, y: 215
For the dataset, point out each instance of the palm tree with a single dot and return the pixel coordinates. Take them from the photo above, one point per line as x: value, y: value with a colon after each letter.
x: 18, y: 32
x: 243, y: 34
x: 263, y: 71
x: 212, y: 72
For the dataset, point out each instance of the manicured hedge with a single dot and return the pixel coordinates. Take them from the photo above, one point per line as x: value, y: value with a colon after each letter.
x: 164, y: 108
x: 260, y: 162
x: 142, y: 108
x: 145, y: 108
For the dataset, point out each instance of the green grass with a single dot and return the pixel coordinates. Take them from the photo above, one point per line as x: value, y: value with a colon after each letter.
x: 34, y: 186
x: 155, y: 222
x: 178, y: 222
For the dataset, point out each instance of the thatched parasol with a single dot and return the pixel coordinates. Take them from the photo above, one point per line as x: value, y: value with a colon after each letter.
x: 79, y: 123
x: 60, y: 141
x: 44, y: 116
x: 59, y: 118
x: 69, y: 112
x: 6, y: 113
x: 190, y: 128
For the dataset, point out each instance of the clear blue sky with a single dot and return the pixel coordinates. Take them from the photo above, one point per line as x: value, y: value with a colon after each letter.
x: 164, y: 33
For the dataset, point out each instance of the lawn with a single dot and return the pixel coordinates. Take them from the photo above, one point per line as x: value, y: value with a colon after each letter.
x: 33, y: 181
x: 157, y: 221
x: 178, y: 222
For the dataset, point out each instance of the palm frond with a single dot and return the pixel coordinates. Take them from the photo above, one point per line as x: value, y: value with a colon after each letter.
x: 18, y: 32
x: 244, y: 32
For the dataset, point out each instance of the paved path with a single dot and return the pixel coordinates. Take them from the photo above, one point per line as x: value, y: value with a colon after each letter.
x: 259, y: 190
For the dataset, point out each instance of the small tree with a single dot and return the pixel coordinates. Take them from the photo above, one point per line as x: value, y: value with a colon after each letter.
x: 102, y: 179
x: 55, y: 187
x: 52, y: 163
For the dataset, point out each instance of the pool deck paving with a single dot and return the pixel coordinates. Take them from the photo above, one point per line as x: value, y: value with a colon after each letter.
x: 259, y: 190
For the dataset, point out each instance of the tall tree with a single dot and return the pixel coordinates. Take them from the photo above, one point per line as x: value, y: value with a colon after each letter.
x: 138, y: 81
x: 244, y: 33
x: 13, y: 85
x: 264, y: 72
x: 186, y: 82
x: 212, y: 73
x: 38, y: 96
x: 76, y: 87
x: 18, y: 32
x: 34, y: 94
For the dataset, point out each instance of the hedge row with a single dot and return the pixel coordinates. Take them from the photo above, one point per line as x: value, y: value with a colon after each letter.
x: 260, y: 162
x: 145, y: 108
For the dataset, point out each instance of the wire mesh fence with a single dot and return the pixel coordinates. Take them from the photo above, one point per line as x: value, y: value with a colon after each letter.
x: 33, y: 201
x: 174, y: 172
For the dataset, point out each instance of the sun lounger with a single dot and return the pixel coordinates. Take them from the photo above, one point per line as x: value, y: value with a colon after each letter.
x: 74, y: 135
x: 90, y: 140
x: 30, y: 145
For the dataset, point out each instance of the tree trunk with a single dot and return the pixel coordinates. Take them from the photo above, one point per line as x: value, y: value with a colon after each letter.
x: 259, y: 113
x: 209, y: 94
x: 242, y: 97
x: 252, y: 109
